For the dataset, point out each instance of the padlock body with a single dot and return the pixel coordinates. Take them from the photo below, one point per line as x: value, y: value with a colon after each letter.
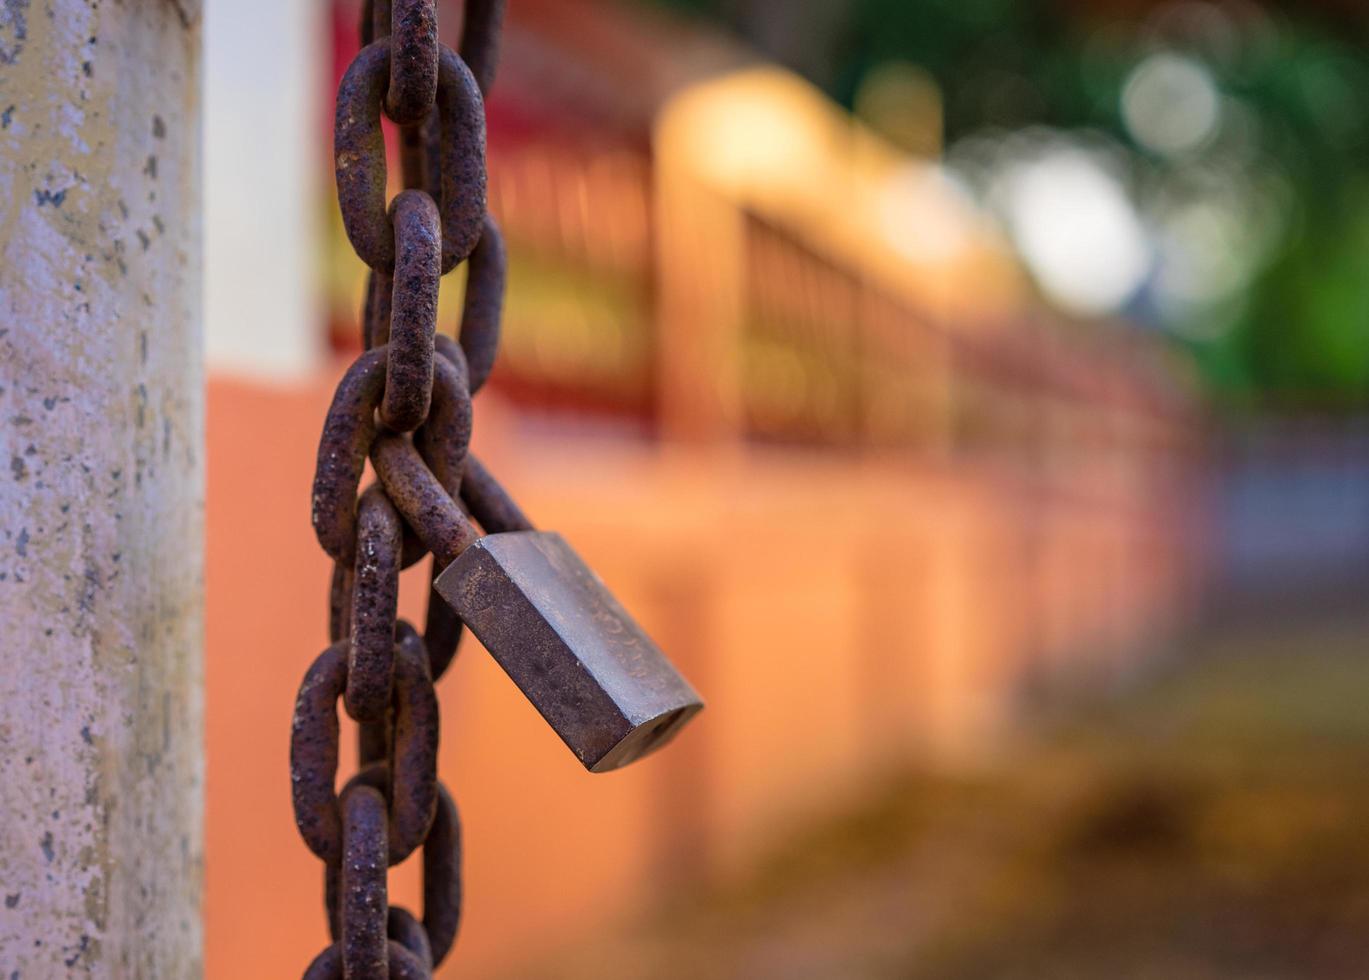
x: 574, y: 651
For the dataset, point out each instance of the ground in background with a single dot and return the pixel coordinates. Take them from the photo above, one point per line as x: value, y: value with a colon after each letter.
x: 1214, y: 824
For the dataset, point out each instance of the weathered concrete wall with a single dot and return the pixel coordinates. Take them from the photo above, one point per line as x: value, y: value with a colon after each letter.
x: 101, y: 418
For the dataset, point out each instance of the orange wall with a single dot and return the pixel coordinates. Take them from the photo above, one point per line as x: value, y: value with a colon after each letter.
x: 839, y: 614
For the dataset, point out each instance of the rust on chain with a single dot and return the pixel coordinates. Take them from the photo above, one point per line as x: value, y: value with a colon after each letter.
x: 483, y: 304
x: 404, y: 965
x: 414, y: 138
x: 442, y: 877
x: 413, y: 311
x: 375, y: 312
x: 442, y: 629
x: 359, y: 157
x: 444, y: 440
x: 413, y: 747
x: 423, y: 501
x: 314, y: 754
x: 461, y: 110
x: 480, y: 39
x: 365, y: 945
x: 348, y: 431
x: 339, y: 602
x: 413, y: 551
x: 441, y: 873
x: 404, y: 929
x: 413, y: 65
x: 376, y: 775
x: 375, y: 602
x: 326, y: 966
x: 488, y: 502
x: 409, y: 412
x: 350, y: 428
x: 314, y: 737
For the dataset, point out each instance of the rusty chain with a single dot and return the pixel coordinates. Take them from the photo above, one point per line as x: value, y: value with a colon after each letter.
x: 404, y: 405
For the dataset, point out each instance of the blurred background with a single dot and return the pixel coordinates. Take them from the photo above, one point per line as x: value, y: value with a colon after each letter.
x: 969, y: 395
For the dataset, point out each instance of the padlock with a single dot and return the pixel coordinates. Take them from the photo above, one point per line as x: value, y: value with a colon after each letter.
x: 585, y: 664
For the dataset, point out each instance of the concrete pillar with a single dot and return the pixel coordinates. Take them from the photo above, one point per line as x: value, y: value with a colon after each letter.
x: 101, y: 440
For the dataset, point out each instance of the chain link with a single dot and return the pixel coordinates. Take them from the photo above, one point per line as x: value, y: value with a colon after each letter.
x: 404, y: 405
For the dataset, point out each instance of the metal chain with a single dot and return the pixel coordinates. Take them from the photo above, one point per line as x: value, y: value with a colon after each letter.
x: 404, y: 404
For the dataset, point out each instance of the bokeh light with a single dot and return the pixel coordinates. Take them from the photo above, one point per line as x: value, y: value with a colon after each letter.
x: 1170, y: 104
x: 1073, y: 223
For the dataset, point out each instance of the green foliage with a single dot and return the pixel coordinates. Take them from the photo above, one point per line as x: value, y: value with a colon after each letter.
x: 1305, y: 341
x: 1301, y: 338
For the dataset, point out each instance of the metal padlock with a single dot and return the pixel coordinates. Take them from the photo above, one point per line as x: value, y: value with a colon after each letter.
x: 591, y: 671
